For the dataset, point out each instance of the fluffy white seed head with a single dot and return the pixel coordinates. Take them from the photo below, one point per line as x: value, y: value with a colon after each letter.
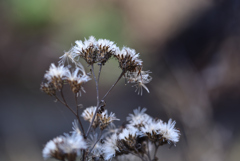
x: 152, y: 127
x: 169, y: 132
x: 68, y: 56
x: 139, y: 118
x: 130, y: 131
x: 50, y: 148
x: 76, y: 130
x: 88, y: 113
x: 107, y: 43
x: 95, y: 145
x: 56, y: 71
x: 73, y: 144
x: 139, y: 78
x: 110, y: 146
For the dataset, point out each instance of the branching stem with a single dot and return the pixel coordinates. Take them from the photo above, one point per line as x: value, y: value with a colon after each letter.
x: 137, y: 155
x: 102, y: 100
x: 123, y: 72
x: 64, y: 103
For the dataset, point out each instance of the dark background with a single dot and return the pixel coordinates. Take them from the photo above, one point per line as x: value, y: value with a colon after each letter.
x: 191, y: 47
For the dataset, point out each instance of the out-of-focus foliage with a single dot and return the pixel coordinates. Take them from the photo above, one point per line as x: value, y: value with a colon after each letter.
x: 29, y: 13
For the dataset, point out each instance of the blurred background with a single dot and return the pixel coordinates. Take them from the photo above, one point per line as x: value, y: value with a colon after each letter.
x: 191, y: 47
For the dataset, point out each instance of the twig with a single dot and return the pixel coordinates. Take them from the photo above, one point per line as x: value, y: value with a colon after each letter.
x: 137, y: 155
x: 96, y: 82
x: 78, y: 115
x: 156, y: 148
x: 148, y: 154
x: 84, y: 153
x: 100, y: 69
x: 63, y: 102
x: 123, y: 72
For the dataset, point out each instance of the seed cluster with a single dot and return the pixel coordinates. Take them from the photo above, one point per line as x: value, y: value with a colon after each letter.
x: 56, y: 77
x: 93, y: 51
x: 100, y: 51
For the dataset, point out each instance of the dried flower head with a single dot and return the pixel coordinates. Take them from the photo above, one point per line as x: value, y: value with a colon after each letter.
x: 86, y: 50
x: 169, y: 132
x: 55, y: 75
x: 110, y: 146
x: 128, y: 60
x: 106, y: 119
x: 76, y: 130
x: 51, y: 149
x: 73, y: 144
x: 106, y: 49
x: 76, y: 80
x: 48, y: 88
x: 69, y: 55
x: 62, y: 147
x: 129, y: 137
x: 163, y: 133
x: 88, y: 114
x: 139, y: 79
x: 95, y: 145
x: 139, y: 118
x: 93, y: 51
x: 151, y: 129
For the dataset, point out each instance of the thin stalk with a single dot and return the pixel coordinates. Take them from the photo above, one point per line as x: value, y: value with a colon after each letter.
x: 123, y: 72
x: 148, y: 154
x: 96, y: 82
x: 137, y: 155
x: 100, y: 69
x: 83, y: 157
x: 78, y: 115
x: 70, y: 108
x: 63, y: 102
x: 103, y: 99
x: 156, y: 148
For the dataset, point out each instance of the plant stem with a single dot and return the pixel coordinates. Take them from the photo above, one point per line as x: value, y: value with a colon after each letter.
x: 96, y: 82
x: 100, y: 69
x: 84, y: 153
x: 96, y: 142
x: 123, y: 72
x: 148, y: 154
x: 64, y: 103
x: 156, y: 148
x: 137, y: 155
x: 78, y: 115
x: 102, y: 100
